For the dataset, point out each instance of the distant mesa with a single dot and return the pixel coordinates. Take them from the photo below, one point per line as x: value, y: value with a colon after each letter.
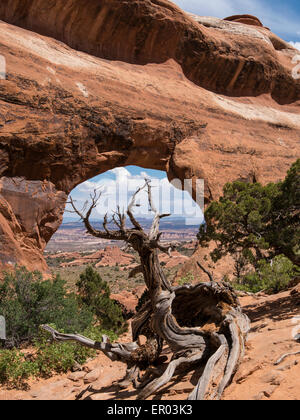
x: 111, y: 256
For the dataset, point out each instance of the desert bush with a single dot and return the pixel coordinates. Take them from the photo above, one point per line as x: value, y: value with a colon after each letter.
x: 187, y: 279
x: 256, y: 221
x: 46, y: 359
x: 95, y: 293
x: 271, y: 277
x: 26, y: 302
x: 14, y: 369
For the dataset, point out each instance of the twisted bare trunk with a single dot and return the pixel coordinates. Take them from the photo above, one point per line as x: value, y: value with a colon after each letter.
x: 201, y: 324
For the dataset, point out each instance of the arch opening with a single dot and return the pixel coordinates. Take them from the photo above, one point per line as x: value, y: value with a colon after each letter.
x: 117, y: 187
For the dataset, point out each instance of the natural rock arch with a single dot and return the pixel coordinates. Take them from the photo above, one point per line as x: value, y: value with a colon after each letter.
x: 197, y: 97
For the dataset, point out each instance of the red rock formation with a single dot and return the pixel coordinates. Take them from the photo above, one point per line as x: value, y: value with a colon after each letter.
x: 191, y: 270
x: 65, y: 255
x: 30, y: 212
x: 173, y: 260
x: 13, y: 246
x: 154, y: 31
x: 111, y: 256
x: 127, y: 299
x: 197, y: 97
x: 246, y: 19
x: 190, y: 245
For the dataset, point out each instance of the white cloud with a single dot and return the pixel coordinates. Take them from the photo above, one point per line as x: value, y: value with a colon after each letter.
x: 295, y: 44
x: 119, y: 185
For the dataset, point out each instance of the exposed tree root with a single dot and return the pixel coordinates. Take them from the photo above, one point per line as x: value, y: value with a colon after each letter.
x: 208, y: 375
x: 201, y: 324
x: 284, y: 356
x: 156, y: 384
x: 131, y: 377
x: 216, y: 341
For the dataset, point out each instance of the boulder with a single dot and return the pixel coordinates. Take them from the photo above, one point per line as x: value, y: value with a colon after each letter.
x: 92, y: 376
x: 77, y: 376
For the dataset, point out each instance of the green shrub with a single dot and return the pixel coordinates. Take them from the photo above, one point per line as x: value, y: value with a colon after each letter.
x: 95, y: 293
x: 255, y: 221
x: 188, y: 279
x: 271, y: 277
x: 26, y: 301
x: 46, y: 358
x: 14, y: 369
x: 61, y: 357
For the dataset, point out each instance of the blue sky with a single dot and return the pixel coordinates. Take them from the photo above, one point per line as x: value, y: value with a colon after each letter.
x: 282, y: 17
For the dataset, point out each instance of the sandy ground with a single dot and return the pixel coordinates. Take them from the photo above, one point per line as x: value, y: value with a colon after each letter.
x: 275, y: 322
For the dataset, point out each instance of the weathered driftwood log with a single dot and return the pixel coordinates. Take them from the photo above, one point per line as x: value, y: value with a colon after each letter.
x: 201, y: 324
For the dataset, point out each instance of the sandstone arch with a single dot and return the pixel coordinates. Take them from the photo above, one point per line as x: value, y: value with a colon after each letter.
x: 196, y: 97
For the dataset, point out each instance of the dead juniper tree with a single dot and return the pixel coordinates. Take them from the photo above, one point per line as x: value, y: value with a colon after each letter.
x: 201, y: 324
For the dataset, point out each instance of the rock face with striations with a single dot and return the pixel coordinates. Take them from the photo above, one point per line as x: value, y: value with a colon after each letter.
x: 96, y: 84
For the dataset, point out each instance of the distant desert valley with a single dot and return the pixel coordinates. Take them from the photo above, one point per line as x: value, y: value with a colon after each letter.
x: 72, y: 236
x: 71, y: 249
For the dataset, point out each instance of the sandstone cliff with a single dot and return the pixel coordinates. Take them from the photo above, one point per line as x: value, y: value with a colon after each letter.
x: 92, y: 85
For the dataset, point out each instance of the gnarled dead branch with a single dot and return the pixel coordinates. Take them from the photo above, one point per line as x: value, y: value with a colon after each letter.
x: 201, y: 324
